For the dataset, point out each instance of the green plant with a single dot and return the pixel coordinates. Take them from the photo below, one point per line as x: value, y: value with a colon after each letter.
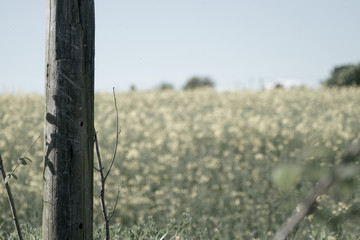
x: 28, y: 232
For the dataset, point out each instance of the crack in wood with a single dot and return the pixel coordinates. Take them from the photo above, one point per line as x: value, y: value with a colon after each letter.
x: 69, y: 80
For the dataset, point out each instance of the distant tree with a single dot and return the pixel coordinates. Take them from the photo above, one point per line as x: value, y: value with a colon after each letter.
x: 165, y: 86
x: 199, y: 82
x: 279, y: 86
x: 345, y: 75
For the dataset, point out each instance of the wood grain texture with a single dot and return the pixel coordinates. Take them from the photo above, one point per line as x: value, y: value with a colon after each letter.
x: 69, y: 120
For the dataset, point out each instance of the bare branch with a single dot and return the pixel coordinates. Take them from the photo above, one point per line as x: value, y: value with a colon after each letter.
x: 98, y: 155
x: 102, y: 191
x: 104, y: 177
x: 11, y: 200
x: 117, y: 135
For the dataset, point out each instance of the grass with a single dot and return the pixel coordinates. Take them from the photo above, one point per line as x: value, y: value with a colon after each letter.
x: 203, y: 164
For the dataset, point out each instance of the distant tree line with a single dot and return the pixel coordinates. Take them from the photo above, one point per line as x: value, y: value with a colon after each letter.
x: 341, y: 76
x: 192, y: 83
x: 345, y: 75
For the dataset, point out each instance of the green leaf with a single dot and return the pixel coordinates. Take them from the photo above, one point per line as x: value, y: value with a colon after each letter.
x: 14, y: 176
x: 22, y: 161
x: 27, y: 159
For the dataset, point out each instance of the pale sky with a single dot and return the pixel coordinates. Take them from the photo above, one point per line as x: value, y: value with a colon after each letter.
x: 237, y: 43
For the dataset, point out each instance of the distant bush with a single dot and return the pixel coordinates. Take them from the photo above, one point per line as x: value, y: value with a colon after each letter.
x: 346, y: 75
x: 165, y: 86
x: 199, y: 82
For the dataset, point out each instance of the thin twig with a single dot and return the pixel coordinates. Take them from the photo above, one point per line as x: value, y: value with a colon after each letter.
x: 102, y: 191
x: 115, y: 205
x: 117, y: 136
x: 24, y: 155
x: 11, y: 200
x: 31, y: 146
x: 103, y: 177
x: 302, y: 209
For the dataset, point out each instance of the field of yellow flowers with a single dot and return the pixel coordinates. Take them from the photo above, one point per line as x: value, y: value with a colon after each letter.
x: 213, y: 155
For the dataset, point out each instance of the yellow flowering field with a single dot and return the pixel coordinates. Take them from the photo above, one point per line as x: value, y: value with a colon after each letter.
x: 213, y: 155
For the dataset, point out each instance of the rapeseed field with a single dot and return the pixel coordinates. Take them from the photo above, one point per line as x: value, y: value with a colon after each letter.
x: 217, y: 158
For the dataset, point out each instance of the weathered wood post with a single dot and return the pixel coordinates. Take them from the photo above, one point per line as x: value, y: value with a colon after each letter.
x: 69, y: 120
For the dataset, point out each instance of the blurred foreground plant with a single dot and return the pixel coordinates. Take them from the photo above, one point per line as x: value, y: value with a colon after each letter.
x: 341, y: 172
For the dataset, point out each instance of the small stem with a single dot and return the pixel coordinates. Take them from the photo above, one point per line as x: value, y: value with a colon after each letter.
x: 11, y: 201
x: 101, y: 172
x: 117, y: 135
x: 116, y: 201
x: 102, y: 192
x: 13, y: 171
x: 31, y: 146
x: 17, y: 165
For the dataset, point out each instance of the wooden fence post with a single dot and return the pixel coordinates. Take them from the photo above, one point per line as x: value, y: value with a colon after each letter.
x: 69, y: 120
